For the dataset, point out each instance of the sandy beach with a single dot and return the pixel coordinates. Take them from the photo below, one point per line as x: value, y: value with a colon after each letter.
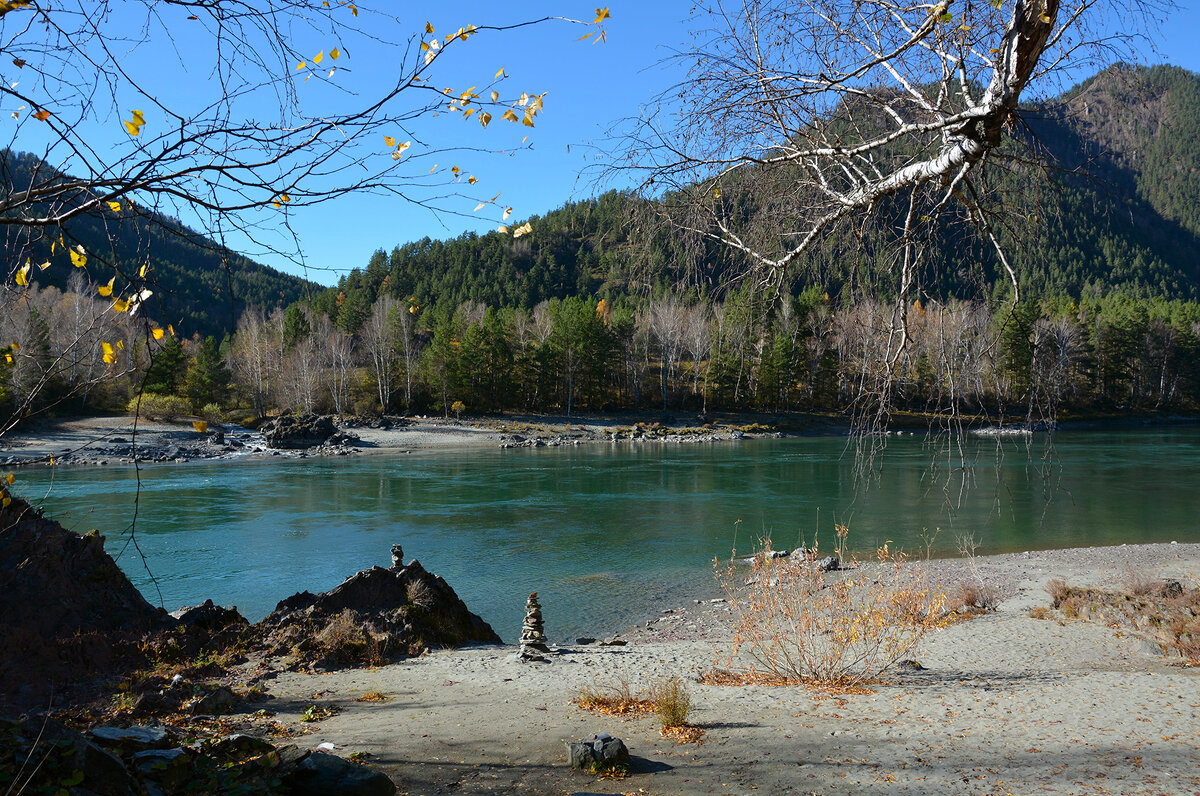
x: 1003, y: 704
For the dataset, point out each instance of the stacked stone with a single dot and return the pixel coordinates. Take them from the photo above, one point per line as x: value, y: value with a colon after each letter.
x: 533, y: 636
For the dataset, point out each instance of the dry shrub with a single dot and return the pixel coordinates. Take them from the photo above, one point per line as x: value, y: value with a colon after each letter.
x: 421, y: 594
x: 793, y: 622
x: 1058, y: 590
x: 972, y: 595
x: 613, y: 699
x: 672, y: 702
x: 373, y: 696
x: 1041, y: 612
x: 344, y: 640
x: 1139, y: 584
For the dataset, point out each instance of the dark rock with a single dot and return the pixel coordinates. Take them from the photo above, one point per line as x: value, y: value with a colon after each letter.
x: 829, y: 564
x: 613, y: 641
x: 397, y: 556
x: 377, y: 614
x: 321, y: 774
x: 297, y: 432
x: 240, y: 745
x: 66, y: 609
x: 599, y: 753
x: 171, y: 767
x: 585, y: 640
x: 1171, y: 589
x: 59, y: 749
x: 129, y: 738
x: 221, y: 701
x: 216, y: 438
x: 209, y: 617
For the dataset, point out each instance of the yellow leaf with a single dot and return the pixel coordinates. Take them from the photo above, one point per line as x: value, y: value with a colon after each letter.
x: 138, y: 118
x: 114, y: 206
x: 302, y: 64
x: 79, y: 259
x: 507, y: 213
x: 158, y: 333
x: 472, y: 180
x: 23, y: 275
x: 6, y: 501
x: 404, y: 146
x: 479, y: 207
x: 455, y: 170
x: 500, y: 74
x: 200, y: 425
x: 42, y: 115
x: 510, y: 116
x: 484, y: 118
x: 170, y: 330
x: 717, y: 193
x: 495, y: 95
x: 524, y: 229
x: 9, y: 358
x: 15, y: 346
x: 502, y: 228
x: 276, y: 204
x: 110, y: 353
x: 10, y: 479
x: 431, y: 171
x: 284, y: 198
x: 106, y: 290
x: 142, y: 270
x: 528, y: 120
x: 354, y: 10
x: 391, y: 142
x: 51, y: 461
x: 335, y: 53
x: 319, y: 57
x: 121, y: 344
x: 131, y: 128
x: 428, y: 27
x: 120, y: 305
x: 585, y: 36
x: 601, y: 15
x: 44, y: 266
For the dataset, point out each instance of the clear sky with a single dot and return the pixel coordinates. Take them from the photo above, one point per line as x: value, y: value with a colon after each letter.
x: 593, y: 91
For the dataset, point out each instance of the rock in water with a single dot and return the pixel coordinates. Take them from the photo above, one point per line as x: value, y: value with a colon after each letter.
x: 374, y: 616
x: 533, y: 636
x: 298, y: 431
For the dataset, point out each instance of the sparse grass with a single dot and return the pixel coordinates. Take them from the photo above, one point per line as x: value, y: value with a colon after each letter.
x: 346, y: 641
x: 421, y: 595
x: 672, y: 701
x: 314, y: 713
x: 613, y: 699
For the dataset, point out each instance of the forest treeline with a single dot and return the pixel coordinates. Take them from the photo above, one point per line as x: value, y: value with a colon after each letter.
x: 585, y: 355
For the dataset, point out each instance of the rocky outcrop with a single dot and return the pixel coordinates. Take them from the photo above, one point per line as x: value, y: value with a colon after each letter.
x: 296, y: 432
x: 147, y: 760
x: 376, y: 615
x: 66, y: 608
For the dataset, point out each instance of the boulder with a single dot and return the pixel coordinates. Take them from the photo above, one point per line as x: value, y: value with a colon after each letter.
x: 600, y: 753
x: 127, y: 738
x: 829, y: 564
x: 374, y: 616
x: 296, y: 432
x: 209, y: 617
x: 322, y: 774
x: 66, y: 608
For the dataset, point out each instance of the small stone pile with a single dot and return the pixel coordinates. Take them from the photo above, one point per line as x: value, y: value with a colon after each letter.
x: 533, y: 635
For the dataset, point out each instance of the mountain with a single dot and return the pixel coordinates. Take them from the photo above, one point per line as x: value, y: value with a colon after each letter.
x: 1121, y: 212
x: 199, y: 286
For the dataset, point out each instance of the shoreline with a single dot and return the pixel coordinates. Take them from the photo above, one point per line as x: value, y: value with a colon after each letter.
x: 1003, y: 703
x: 108, y: 441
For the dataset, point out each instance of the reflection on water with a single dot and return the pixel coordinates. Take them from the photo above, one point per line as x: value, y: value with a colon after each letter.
x: 605, y: 533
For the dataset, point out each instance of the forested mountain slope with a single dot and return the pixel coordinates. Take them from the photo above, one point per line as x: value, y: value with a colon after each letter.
x: 199, y: 287
x: 1121, y: 213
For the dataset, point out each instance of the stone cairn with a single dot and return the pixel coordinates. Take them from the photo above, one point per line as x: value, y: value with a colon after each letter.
x: 533, y: 636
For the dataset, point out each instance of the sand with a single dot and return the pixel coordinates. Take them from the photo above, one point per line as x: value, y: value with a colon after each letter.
x: 1005, y: 704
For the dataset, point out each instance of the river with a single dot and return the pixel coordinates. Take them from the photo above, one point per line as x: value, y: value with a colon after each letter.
x: 608, y: 534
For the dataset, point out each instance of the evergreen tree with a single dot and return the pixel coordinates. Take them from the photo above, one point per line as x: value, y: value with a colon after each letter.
x: 207, y: 376
x: 167, y: 368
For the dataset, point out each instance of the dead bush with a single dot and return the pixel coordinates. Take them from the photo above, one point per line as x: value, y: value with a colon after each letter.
x: 345, y: 640
x: 1041, y: 612
x: 794, y: 622
x: 1058, y: 591
x: 1139, y: 584
x: 616, y: 698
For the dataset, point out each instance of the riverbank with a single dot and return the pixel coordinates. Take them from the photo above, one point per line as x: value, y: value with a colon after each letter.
x: 118, y: 440
x: 1002, y: 704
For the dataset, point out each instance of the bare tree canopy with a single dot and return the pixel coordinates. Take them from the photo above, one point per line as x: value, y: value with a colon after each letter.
x: 823, y: 114
x: 229, y: 113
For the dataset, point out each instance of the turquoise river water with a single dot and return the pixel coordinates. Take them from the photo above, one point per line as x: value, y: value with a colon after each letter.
x: 609, y: 534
